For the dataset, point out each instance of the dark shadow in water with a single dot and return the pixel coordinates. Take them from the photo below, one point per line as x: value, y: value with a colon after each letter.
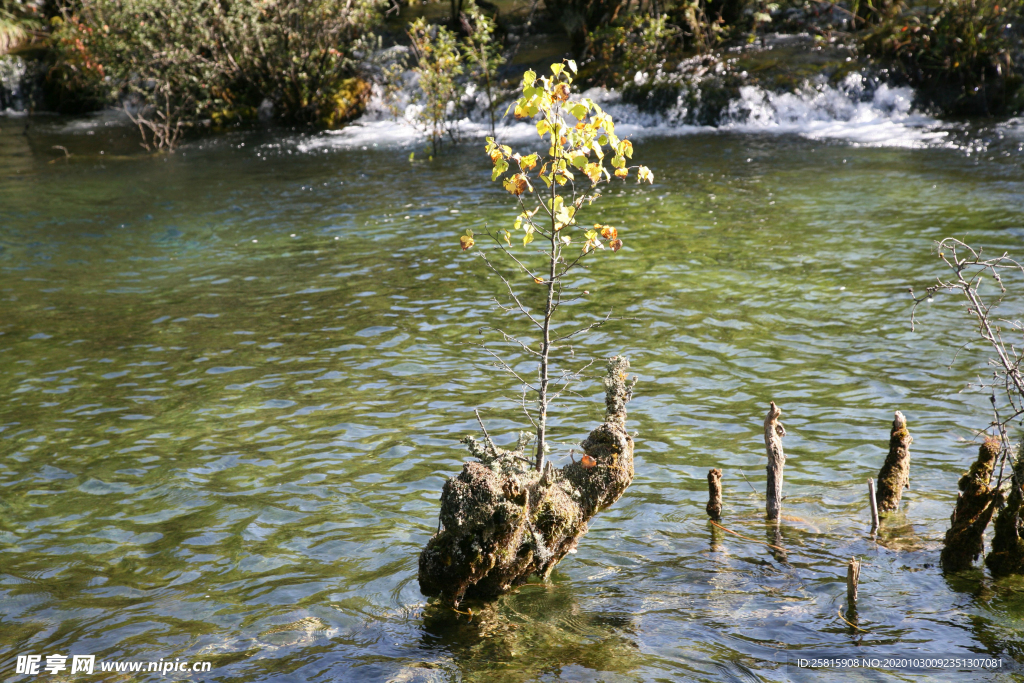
x: 717, y: 536
x: 998, y: 628
x: 535, y: 631
x: 896, y: 532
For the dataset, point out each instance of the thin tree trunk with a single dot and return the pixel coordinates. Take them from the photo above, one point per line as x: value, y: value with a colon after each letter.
x: 773, y: 433
x: 542, y: 398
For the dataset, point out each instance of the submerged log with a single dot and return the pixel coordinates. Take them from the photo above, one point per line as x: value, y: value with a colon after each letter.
x: 503, y: 521
x: 895, y: 473
x: 773, y: 433
x: 714, y: 507
x: 974, y: 507
x: 1007, y: 554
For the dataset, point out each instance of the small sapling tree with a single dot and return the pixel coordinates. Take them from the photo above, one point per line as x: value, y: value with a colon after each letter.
x: 483, y: 53
x: 551, y: 190
x: 438, y: 66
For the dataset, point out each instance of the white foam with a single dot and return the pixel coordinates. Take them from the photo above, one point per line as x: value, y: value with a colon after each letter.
x: 882, y: 116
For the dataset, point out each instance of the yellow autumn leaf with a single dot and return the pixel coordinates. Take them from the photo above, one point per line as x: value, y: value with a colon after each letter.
x: 466, y: 242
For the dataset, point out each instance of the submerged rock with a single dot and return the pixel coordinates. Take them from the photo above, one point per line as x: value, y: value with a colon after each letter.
x: 503, y: 521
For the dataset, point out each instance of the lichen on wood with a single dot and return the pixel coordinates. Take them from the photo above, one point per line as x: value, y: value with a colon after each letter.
x: 502, y: 520
x: 714, y: 507
x: 773, y: 433
x: 1007, y: 554
x: 975, y: 504
x: 895, y: 473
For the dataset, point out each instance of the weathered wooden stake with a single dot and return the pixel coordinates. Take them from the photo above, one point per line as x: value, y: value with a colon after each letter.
x: 895, y: 473
x: 874, y: 504
x: 773, y: 433
x: 852, y: 577
x: 714, y: 507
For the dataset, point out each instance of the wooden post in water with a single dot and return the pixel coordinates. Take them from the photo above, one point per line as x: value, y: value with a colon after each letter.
x: 714, y: 507
x: 852, y: 577
x: 895, y: 473
x: 773, y: 433
x: 874, y: 505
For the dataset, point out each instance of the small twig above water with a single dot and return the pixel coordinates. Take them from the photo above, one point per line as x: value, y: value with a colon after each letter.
x: 756, y: 493
x: 487, y: 437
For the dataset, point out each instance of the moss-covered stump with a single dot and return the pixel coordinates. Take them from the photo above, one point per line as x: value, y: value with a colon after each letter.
x: 714, y: 506
x: 974, y: 507
x: 1007, y: 555
x: 895, y: 473
x: 503, y: 521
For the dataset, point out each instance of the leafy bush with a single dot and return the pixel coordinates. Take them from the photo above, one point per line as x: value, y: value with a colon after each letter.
x: 444, y: 67
x: 181, y: 61
x: 580, y: 17
x: 438, y: 66
x: 18, y: 21
x: 161, y: 55
x: 621, y: 50
x: 297, y: 53
x: 483, y: 54
x: 961, y: 52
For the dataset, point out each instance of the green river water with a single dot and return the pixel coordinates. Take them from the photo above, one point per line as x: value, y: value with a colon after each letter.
x: 233, y: 379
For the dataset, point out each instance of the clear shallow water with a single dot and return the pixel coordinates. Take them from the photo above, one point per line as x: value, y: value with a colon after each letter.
x: 231, y: 450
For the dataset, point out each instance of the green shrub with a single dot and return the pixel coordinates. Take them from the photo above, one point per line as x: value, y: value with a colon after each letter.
x: 438, y: 67
x: 961, y: 53
x: 619, y: 51
x: 483, y: 55
x: 444, y: 66
x: 580, y: 17
x: 299, y: 54
x: 179, y: 62
x: 19, y: 20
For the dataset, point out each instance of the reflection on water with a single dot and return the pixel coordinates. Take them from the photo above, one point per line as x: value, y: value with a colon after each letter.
x: 232, y: 382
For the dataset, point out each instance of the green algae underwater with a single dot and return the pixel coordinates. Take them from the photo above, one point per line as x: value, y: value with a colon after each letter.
x: 233, y: 381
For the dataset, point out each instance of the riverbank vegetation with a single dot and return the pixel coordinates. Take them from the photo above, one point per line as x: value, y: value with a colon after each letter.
x: 180, y: 66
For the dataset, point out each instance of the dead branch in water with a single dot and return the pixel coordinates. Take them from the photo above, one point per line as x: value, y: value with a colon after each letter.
x: 773, y: 433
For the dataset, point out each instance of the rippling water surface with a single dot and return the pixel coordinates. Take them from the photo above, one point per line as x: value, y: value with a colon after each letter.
x: 232, y: 382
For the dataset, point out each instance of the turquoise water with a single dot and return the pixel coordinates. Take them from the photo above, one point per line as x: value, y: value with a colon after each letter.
x: 233, y: 379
